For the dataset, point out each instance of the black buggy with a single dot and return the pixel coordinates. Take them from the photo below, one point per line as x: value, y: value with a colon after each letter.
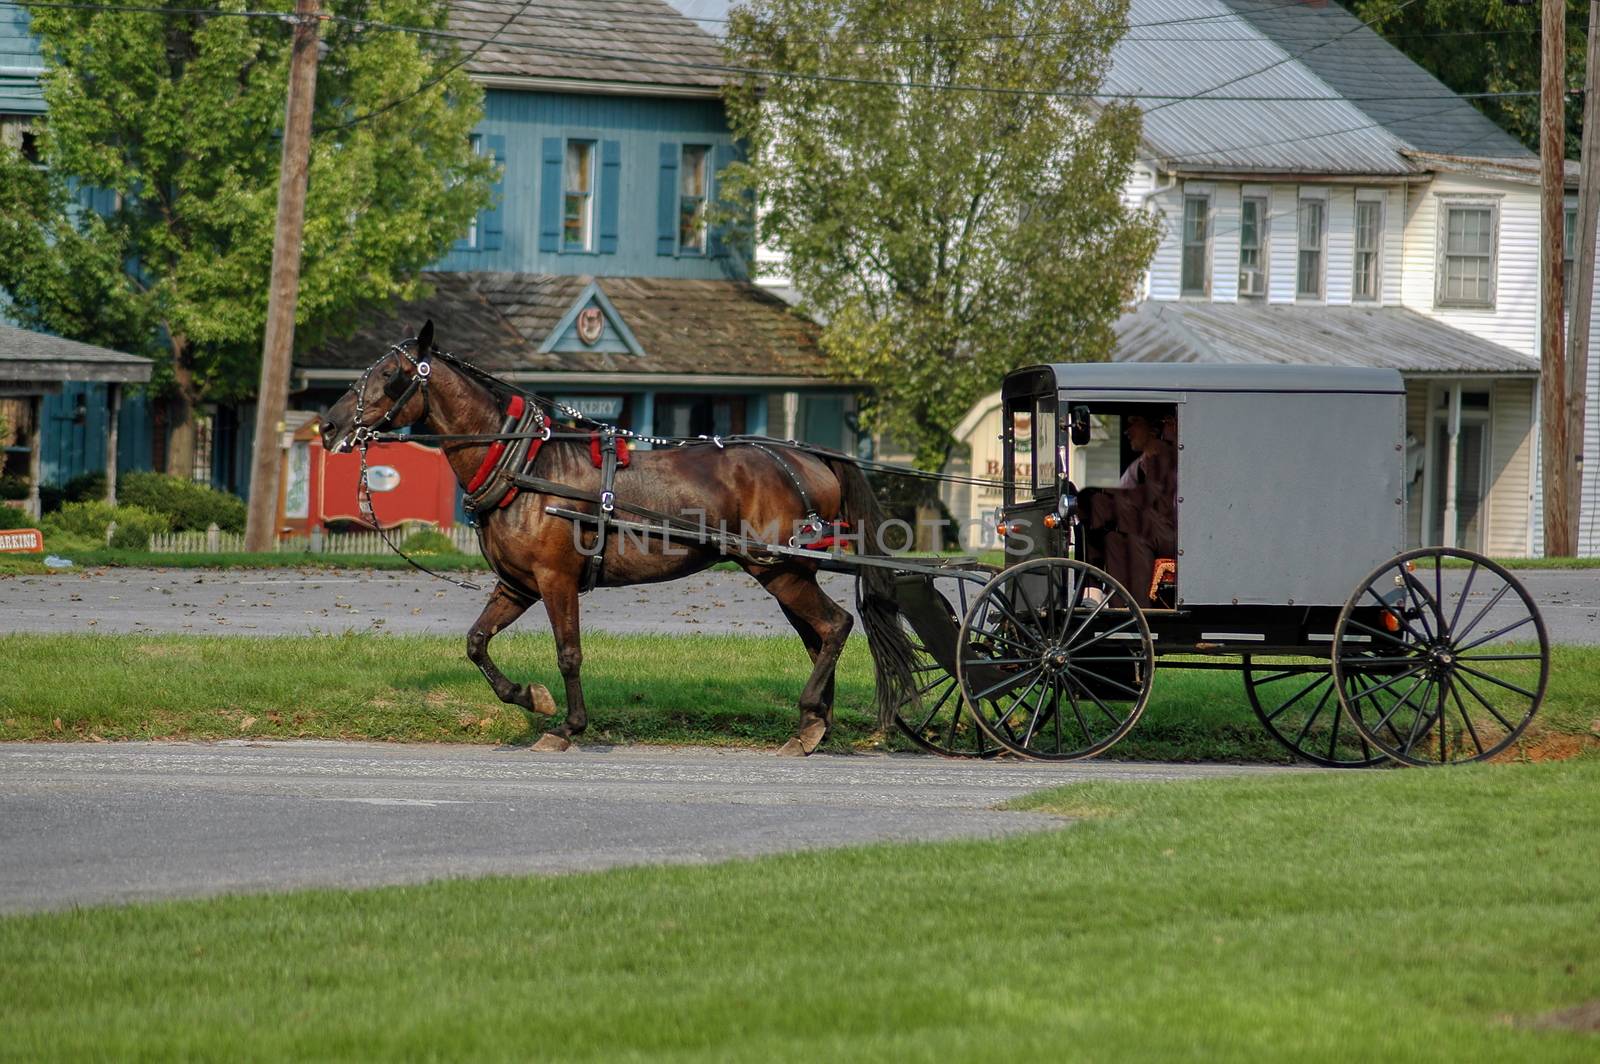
x: 1219, y: 517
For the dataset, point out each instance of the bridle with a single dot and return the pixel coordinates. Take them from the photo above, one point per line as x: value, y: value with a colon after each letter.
x: 398, y: 391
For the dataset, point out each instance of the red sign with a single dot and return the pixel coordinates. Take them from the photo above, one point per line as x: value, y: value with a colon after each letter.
x: 21, y: 541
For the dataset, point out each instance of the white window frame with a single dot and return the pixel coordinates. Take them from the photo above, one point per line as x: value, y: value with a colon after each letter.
x: 1184, y: 244
x: 1376, y: 250
x: 1320, y: 250
x: 1263, y: 248
x: 475, y: 145
x: 1442, y: 256
x: 586, y: 212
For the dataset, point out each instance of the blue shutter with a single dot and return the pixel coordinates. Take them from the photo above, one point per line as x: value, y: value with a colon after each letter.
x: 550, y: 195
x: 667, y: 200
x: 721, y: 156
x: 491, y: 223
x: 610, y: 194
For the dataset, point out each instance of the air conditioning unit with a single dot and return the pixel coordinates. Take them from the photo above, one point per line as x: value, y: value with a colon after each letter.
x: 1252, y: 283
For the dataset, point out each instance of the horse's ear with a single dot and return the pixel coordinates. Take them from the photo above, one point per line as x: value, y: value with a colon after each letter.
x: 425, y: 338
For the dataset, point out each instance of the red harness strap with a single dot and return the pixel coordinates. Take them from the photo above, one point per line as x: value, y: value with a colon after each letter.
x: 594, y: 451
x: 514, y: 410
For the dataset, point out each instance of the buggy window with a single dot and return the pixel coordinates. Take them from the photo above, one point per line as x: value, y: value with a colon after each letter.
x: 1044, y: 446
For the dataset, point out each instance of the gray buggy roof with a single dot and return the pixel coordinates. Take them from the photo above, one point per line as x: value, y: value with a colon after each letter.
x: 1167, y: 377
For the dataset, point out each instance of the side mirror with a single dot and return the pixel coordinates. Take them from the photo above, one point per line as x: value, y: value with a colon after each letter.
x: 1079, y: 429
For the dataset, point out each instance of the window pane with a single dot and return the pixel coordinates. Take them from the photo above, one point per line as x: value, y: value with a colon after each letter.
x: 578, y: 168
x: 1249, y: 225
x: 1310, y: 280
x: 692, y: 174
x: 691, y: 223
x: 1195, y: 259
x: 1310, y: 224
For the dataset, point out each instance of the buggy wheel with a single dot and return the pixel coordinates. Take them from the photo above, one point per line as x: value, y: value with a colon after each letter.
x: 1055, y: 660
x: 935, y: 718
x: 1297, y: 704
x: 1437, y: 670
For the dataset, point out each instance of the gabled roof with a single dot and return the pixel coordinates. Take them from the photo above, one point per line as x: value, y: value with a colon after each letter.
x: 1251, y: 333
x: 1342, y: 99
x: 627, y: 42
x: 682, y: 328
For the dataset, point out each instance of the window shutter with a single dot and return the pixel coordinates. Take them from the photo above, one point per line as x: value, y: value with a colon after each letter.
x: 610, y: 194
x: 720, y: 238
x: 550, y: 195
x: 491, y: 224
x: 667, y: 200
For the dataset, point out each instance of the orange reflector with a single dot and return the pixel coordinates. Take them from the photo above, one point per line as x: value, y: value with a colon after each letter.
x: 1411, y: 567
x: 1051, y: 520
x: 1390, y: 621
x: 1001, y: 530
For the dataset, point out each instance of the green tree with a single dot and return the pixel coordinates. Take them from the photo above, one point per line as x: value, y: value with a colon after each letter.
x: 173, y: 119
x: 945, y: 236
x: 1485, y: 46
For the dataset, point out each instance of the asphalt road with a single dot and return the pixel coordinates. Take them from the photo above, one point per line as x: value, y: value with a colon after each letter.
x: 95, y: 824
x: 301, y: 602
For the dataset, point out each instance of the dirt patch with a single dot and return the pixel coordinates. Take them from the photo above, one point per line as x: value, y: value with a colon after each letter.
x: 1550, y: 746
x: 1584, y: 1018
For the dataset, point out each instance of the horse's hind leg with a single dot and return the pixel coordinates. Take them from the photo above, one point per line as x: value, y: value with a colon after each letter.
x: 809, y: 609
x: 502, y: 609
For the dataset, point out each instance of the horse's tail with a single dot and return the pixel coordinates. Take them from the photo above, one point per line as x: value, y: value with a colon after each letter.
x: 893, y: 658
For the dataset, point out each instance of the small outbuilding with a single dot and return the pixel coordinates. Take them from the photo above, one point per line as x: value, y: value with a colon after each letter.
x: 35, y: 366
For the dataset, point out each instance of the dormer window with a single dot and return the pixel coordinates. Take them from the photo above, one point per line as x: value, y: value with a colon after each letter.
x: 1253, y: 248
x: 1196, y: 279
x: 577, y: 201
x: 692, y: 186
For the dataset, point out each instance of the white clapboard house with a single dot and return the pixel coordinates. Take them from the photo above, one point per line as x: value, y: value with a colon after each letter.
x: 1327, y: 201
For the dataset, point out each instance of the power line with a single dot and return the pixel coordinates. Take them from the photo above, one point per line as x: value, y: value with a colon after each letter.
x: 425, y: 86
x: 1286, y: 59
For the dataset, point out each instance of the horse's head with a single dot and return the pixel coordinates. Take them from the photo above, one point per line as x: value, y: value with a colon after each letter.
x: 392, y: 393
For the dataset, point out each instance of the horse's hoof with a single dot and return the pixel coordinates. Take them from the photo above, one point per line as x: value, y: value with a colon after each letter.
x: 551, y: 743
x: 536, y: 699
x: 792, y: 748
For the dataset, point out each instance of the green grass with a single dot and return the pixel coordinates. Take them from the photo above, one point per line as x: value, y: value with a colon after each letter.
x: 1416, y: 916
x: 709, y: 689
x: 111, y: 557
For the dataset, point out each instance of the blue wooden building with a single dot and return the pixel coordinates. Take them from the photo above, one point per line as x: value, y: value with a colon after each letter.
x: 607, y: 121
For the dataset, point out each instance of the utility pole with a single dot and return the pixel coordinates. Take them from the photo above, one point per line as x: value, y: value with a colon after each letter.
x: 1583, y: 284
x: 272, y: 396
x: 1552, y: 350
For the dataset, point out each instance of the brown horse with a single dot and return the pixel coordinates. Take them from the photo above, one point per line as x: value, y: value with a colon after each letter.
x: 538, y: 556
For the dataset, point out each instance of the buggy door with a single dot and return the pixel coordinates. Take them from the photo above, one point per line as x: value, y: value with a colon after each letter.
x: 1033, y: 465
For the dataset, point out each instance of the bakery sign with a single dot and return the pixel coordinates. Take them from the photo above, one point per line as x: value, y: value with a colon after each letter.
x: 21, y: 541
x: 599, y: 407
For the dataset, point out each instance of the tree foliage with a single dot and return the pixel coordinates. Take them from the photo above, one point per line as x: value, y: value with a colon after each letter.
x: 150, y: 227
x: 944, y: 236
x: 1485, y: 46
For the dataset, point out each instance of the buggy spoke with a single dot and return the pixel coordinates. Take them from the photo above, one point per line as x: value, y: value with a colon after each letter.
x: 1386, y: 635
x: 1391, y: 681
x: 1077, y: 711
x: 1412, y: 586
x: 1397, y: 614
x: 1096, y: 700
x: 1481, y: 614
x: 1466, y: 718
x: 1134, y: 691
x: 934, y: 712
x: 1275, y: 714
x: 1473, y: 691
x: 1009, y: 681
x: 1305, y: 729
x: 1494, y: 635
x: 1387, y: 717
x: 1005, y: 721
x: 1461, y: 603
x: 1124, y: 626
x: 1507, y: 684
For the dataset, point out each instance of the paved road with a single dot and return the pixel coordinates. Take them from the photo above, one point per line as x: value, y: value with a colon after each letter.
x: 82, y: 825
x: 290, y: 602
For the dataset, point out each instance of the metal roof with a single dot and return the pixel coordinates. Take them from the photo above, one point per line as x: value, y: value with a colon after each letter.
x: 26, y: 355
x: 1145, y: 377
x: 1395, y: 338
x: 1373, y: 103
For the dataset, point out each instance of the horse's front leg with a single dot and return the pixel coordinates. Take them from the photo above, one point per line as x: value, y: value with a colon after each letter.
x: 502, y: 609
x: 561, y: 603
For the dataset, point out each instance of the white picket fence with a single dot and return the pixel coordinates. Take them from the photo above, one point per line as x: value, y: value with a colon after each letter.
x: 215, y: 541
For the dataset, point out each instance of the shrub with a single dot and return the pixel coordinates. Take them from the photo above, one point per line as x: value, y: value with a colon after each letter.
x: 13, y: 486
x: 89, y: 520
x: 428, y: 541
x: 191, y: 506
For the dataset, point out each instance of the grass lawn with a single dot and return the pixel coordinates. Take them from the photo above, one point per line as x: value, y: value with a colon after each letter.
x: 675, y: 689
x: 32, y: 564
x: 1409, y: 916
